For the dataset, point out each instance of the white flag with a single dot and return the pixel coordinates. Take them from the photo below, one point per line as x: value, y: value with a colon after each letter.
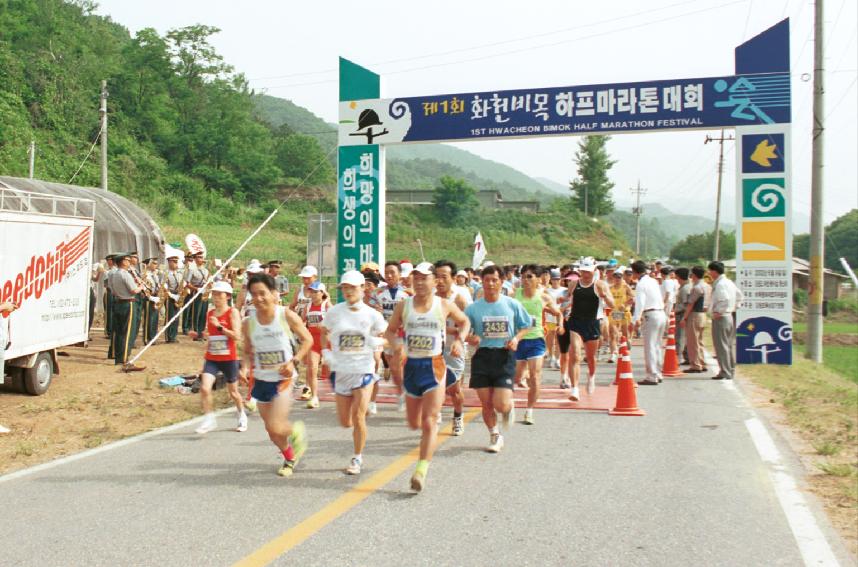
x: 479, y: 251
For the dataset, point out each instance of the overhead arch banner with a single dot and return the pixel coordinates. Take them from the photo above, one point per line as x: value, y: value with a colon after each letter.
x: 755, y: 101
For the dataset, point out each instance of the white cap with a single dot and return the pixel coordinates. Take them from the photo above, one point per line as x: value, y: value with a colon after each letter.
x: 425, y: 268
x: 222, y: 286
x: 352, y: 277
x: 308, y: 272
x: 254, y: 267
x: 619, y: 271
x: 406, y: 268
x: 488, y: 263
x: 462, y: 273
x: 587, y: 266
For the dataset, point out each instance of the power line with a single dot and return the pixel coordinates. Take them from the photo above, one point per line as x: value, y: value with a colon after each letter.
x: 487, y: 45
x: 534, y: 47
x: 89, y: 153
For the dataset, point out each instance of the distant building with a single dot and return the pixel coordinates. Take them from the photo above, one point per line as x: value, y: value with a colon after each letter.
x: 488, y: 199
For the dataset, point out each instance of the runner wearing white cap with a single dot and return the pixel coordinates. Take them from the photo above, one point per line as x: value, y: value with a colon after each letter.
x: 223, y: 327
x: 624, y: 298
x: 350, y: 332
x: 552, y: 324
x: 314, y: 315
x: 423, y: 318
x: 586, y: 295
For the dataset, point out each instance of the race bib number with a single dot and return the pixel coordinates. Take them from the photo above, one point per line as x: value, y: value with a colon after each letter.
x: 271, y: 360
x: 420, y: 345
x: 496, y: 327
x: 218, y: 345
x: 618, y: 315
x: 388, y: 306
x: 314, y: 318
x: 352, y: 343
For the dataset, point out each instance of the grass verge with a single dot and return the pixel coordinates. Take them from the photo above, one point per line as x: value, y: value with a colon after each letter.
x: 821, y: 406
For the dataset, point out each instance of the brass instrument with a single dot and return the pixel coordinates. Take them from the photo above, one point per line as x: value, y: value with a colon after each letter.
x: 142, y: 284
x: 183, y: 295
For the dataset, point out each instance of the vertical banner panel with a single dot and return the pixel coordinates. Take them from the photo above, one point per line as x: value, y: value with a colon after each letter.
x: 764, y: 245
x: 360, y: 207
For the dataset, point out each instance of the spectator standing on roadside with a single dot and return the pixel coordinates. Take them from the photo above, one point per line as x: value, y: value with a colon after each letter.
x: 682, y: 293
x: 725, y: 298
x: 694, y: 319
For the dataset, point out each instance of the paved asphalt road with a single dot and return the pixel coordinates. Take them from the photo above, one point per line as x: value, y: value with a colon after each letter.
x: 683, y: 485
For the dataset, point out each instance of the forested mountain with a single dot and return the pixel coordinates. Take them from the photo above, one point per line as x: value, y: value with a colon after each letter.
x: 182, y: 129
x: 416, y: 166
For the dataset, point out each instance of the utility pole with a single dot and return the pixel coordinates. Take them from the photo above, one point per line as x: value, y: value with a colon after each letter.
x: 586, y: 204
x: 103, y: 112
x: 638, y: 211
x: 720, y: 140
x: 32, y: 153
x: 817, y: 224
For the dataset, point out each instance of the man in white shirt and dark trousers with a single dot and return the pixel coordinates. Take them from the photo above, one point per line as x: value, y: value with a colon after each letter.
x: 725, y: 298
x: 649, y: 316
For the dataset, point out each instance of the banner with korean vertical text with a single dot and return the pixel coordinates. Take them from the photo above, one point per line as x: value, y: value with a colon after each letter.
x: 360, y: 207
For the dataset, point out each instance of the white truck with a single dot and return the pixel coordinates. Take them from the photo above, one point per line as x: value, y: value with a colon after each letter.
x: 46, y: 244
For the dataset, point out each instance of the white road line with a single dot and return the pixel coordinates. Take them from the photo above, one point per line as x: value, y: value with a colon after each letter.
x: 812, y: 544
x: 103, y: 448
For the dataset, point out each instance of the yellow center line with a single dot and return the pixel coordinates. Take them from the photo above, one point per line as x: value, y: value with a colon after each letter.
x: 295, y: 536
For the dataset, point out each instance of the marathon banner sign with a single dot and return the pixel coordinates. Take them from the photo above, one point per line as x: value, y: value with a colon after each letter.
x: 360, y: 207
x: 715, y: 102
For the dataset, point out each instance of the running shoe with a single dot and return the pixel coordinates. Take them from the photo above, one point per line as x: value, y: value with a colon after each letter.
x: 458, y: 426
x: 354, y: 466
x: 242, y: 423
x: 400, y: 403
x: 418, y: 480
x: 612, y: 358
x: 306, y: 393
x: 528, y: 416
x: 287, y: 469
x: 564, y: 383
x: 574, y: 394
x: 372, y: 408
x: 250, y: 405
x: 508, y: 418
x: 209, y: 424
x: 496, y: 443
x: 298, y: 440
x: 591, y: 384
x: 313, y: 403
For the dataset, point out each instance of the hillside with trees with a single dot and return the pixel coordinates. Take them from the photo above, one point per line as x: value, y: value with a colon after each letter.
x: 191, y: 142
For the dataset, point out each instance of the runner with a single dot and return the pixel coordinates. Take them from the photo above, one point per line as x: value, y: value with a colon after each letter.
x: 423, y: 318
x: 314, y: 314
x: 370, y: 297
x: 223, y: 329
x: 498, y: 323
x: 389, y: 296
x: 299, y: 304
x: 557, y: 292
x: 350, y: 332
x: 244, y: 302
x: 444, y: 288
x: 564, y: 341
x: 584, y: 325
x: 531, y: 348
x: 267, y: 335
x: 621, y: 314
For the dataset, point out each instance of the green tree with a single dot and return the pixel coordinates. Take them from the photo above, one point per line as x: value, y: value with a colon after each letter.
x: 841, y: 240
x: 591, y: 191
x: 300, y: 156
x: 699, y: 247
x: 455, y: 199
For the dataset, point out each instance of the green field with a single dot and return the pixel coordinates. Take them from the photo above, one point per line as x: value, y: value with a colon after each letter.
x: 842, y: 359
x: 833, y: 328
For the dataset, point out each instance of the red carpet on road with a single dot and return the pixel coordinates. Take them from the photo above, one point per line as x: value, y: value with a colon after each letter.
x: 551, y: 397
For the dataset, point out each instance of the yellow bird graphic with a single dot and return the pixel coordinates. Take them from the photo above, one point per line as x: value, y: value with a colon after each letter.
x: 764, y: 153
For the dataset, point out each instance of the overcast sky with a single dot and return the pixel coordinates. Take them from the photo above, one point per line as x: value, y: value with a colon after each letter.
x: 290, y: 50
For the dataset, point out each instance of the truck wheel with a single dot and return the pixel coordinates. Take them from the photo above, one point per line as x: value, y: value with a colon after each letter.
x: 38, y: 378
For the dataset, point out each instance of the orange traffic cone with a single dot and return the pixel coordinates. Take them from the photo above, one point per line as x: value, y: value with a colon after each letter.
x: 627, y: 400
x: 624, y: 350
x: 670, y: 367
